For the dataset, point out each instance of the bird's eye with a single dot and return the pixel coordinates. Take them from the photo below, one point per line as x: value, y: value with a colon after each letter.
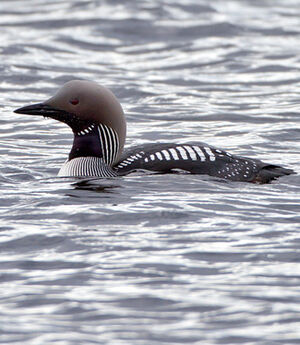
x: 74, y: 101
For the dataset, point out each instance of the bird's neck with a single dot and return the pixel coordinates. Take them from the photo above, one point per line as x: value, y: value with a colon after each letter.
x: 96, y: 141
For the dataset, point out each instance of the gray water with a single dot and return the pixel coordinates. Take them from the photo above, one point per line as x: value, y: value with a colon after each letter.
x: 151, y: 259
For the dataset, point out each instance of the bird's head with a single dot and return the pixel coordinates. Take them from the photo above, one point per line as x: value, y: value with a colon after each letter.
x: 80, y: 104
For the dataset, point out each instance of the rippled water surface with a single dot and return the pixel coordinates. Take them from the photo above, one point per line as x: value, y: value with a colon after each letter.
x: 152, y: 259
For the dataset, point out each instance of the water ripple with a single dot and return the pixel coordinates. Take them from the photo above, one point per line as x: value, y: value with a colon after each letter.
x: 151, y: 259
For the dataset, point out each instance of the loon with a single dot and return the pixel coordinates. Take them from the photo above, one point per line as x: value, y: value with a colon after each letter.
x: 99, y: 127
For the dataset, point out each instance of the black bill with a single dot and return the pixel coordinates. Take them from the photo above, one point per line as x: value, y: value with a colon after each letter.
x: 40, y: 109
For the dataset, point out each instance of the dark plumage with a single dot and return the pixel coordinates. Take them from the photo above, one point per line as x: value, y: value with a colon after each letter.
x: 212, y: 161
x: 99, y: 127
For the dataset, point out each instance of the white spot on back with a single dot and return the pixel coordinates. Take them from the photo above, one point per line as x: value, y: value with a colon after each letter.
x: 174, y: 154
x: 159, y: 156
x: 182, y: 152
x: 166, y: 154
x: 199, y: 152
x: 191, y: 152
x: 123, y: 164
x: 152, y: 157
x: 212, y: 157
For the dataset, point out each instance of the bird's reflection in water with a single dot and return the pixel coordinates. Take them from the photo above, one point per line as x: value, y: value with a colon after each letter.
x: 97, y: 185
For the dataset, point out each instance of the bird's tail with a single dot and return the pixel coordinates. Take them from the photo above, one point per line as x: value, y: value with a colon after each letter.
x: 271, y: 172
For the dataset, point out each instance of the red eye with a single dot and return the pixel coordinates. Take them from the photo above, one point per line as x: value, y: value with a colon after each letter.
x: 74, y: 101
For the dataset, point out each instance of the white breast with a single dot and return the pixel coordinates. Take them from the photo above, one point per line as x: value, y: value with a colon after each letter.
x: 86, y: 167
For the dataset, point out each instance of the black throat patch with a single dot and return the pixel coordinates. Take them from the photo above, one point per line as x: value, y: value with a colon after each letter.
x: 86, y: 143
x: 96, y: 141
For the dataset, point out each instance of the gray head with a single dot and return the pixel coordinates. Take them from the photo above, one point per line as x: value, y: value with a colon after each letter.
x: 82, y: 104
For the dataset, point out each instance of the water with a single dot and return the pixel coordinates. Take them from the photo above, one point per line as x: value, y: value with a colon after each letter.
x: 152, y: 259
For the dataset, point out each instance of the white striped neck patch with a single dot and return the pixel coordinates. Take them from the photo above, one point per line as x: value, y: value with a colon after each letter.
x: 99, y: 141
